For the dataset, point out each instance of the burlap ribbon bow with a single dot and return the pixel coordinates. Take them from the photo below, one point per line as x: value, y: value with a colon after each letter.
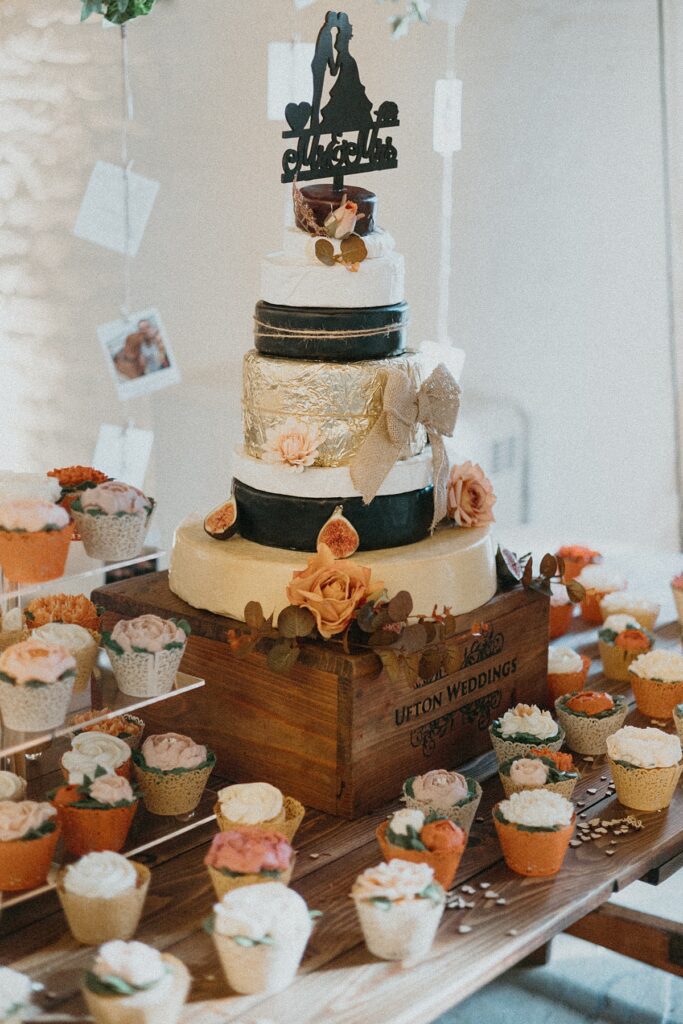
x: 435, y: 404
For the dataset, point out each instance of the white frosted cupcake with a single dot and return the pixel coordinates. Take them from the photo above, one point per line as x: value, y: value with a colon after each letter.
x: 34, y: 540
x: 132, y: 983
x: 646, y: 767
x: 534, y: 828
x: 259, y: 804
x: 260, y: 933
x: 145, y: 653
x: 12, y: 787
x: 656, y: 679
x: 16, y: 992
x: 36, y: 683
x: 399, y: 906
x: 598, y: 581
x: 620, y: 640
x: 567, y: 671
x: 102, y: 896
x: 92, y: 750
x: 78, y: 641
x: 623, y: 602
x: 172, y: 772
x: 523, y: 727
x: 447, y: 794
x: 112, y: 520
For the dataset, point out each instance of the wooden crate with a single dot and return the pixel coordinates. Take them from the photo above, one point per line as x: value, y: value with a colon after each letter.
x: 336, y: 732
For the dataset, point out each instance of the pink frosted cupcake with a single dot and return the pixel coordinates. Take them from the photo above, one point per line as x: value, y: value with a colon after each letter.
x: 246, y: 855
x: 145, y: 653
x: 444, y: 794
x: 112, y: 519
x: 36, y: 682
x: 172, y: 772
x: 34, y: 540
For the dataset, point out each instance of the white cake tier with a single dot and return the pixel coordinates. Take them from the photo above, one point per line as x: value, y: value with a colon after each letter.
x: 289, y: 280
x: 328, y: 481
x: 454, y: 568
x: 300, y: 243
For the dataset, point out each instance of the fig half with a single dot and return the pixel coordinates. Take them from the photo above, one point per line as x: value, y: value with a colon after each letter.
x: 221, y: 523
x: 339, y: 535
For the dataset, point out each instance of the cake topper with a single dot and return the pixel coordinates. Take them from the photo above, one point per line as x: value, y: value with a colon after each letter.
x: 347, y: 110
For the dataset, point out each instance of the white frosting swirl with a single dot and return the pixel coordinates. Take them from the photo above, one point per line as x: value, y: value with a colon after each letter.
x: 90, y: 750
x: 15, y: 992
x: 150, y: 632
x: 32, y: 659
x: 665, y: 666
x: 562, y: 660
x: 250, y: 803
x: 170, y: 750
x: 644, y: 748
x: 32, y: 516
x: 537, y: 808
x: 19, y: 817
x: 68, y: 634
x: 624, y: 601
x: 396, y: 881
x: 528, y: 718
x: 529, y: 772
x: 34, y: 486
x: 12, y: 787
x: 408, y: 817
x: 100, y: 876
x: 133, y: 962
x: 113, y: 496
x: 598, y: 577
x: 259, y: 910
x: 618, y: 623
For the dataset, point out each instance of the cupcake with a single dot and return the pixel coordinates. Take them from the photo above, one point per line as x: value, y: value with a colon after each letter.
x: 597, y: 582
x: 646, y: 767
x: 589, y: 717
x: 444, y: 794
x: 27, y: 487
x: 567, y: 671
x: 96, y: 815
x: 12, y: 628
x: 172, y: 772
x: 102, y: 896
x: 73, y: 481
x: 12, y: 787
x: 399, y: 906
x: 69, y: 608
x: 145, y: 654
x: 539, y: 769
x: 34, y: 541
x: 36, y: 683
x: 678, y: 719
x: 92, y: 750
x: 112, y: 519
x: 622, y: 602
x: 132, y: 983
x: 439, y: 842
x: 620, y: 641
x: 576, y: 558
x: 521, y: 728
x: 677, y: 591
x: 260, y: 934
x: 534, y: 828
x: 561, y: 611
x: 126, y: 727
x: 15, y: 996
x: 259, y: 804
x: 246, y: 855
x: 78, y: 641
x: 657, y: 682
x: 28, y: 837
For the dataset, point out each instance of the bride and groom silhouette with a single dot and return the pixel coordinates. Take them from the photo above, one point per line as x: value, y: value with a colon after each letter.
x: 348, y: 108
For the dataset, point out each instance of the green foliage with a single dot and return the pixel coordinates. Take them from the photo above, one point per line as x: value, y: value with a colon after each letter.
x: 416, y: 12
x: 381, y: 901
x: 410, y: 840
x: 116, y: 11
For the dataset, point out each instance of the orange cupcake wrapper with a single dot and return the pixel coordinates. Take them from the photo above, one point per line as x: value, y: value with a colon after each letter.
x: 34, y: 557
x: 25, y: 864
x: 444, y: 862
x: 560, y: 683
x: 655, y: 699
x: 85, y: 831
x: 533, y: 854
x: 560, y: 619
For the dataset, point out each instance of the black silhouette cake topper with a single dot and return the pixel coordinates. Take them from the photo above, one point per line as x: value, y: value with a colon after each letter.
x: 347, y: 110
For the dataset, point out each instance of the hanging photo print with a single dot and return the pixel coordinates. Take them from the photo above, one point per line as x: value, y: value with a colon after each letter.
x: 138, y: 354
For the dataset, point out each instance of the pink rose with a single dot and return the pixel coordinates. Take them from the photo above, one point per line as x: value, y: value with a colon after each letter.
x: 171, y: 750
x: 470, y: 495
x: 17, y: 819
x: 32, y: 516
x: 32, y: 659
x: 249, y: 850
x: 529, y: 772
x: 111, y: 789
x: 293, y: 443
x: 147, y: 631
x: 113, y: 496
x: 440, y: 789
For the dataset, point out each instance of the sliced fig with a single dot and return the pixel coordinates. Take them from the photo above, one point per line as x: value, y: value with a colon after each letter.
x: 508, y: 567
x: 339, y: 535
x: 221, y: 523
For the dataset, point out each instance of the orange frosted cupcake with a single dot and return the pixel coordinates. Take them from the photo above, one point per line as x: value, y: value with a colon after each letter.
x: 96, y: 815
x: 112, y: 519
x: 75, y: 609
x: 28, y: 837
x: 439, y: 842
x: 576, y: 558
x: 589, y: 717
x: 620, y: 641
x: 567, y: 671
x: 597, y: 582
x: 534, y: 828
x: 73, y: 480
x: 561, y: 612
x: 34, y: 540
x: 657, y: 682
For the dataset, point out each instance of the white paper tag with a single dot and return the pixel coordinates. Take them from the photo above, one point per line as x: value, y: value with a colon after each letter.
x: 102, y: 216
x: 289, y: 76
x: 451, y: 11
x: 139, y: 354
x: 300, y: 4
x: 447, y: 115
x: 123, y: 453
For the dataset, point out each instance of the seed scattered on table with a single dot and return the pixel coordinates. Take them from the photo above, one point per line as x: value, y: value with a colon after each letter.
x: 484, y: 885
x: 575, y: 842
x: 610, y: 853
x: 502, y: 902
x: 468, y: 889
x: 589, y: 758
x: 464, y: 928
x: 314, y: 856
x: 479, y: 817
x: 513, y: 931
x: 592, y: 791
x: 490, y: 895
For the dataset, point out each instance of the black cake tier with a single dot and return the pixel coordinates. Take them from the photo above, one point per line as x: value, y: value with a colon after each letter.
x: 330, y: 335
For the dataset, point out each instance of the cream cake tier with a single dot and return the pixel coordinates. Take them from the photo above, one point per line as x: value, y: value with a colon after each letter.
x: 453, y: 568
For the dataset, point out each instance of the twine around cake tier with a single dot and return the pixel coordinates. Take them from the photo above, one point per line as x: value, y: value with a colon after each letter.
x: 298, y: 332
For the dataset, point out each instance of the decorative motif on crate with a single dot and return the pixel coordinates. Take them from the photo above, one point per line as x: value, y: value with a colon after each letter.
x: 483, y: 648
x: 479, y: 711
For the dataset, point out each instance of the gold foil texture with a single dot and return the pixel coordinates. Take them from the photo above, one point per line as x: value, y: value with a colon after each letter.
x: 343, y: 399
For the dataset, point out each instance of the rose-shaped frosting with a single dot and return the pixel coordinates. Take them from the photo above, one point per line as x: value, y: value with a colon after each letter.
x: 256, y: 911
x: 527, y: 718
x: 558, y: 595
x: 15, y: 992
x: 149, y: 632
x: 396, y: 881
x: 331, y: 589
x: 293, y: 443
x: 470, y: 495
x: 170, y: 750
x: 529, y: 772
x: 249, y: 803
x: 563, y: 762
x: 111, y: 789
x: 563, y: 660
x: 577, y: 553
x: 248, y: 851
x: 442, y: 835
x: 537, y: 808
x: 12, y: 787
x: 17, y: 818
x: 623, y: 601
x: 133, y: 962
x: 402, y: 820
x: 68, y: 634
x: 666, y: 666
x: 590, y: 702
x: 618, y: 623
x: 90, y: 750
x: 32, y: 659
x: 100, y: 876
x: 440, y: 789
x: 644, y: 748
x: 597, y: 577
x: 113, y: 496
x: 636, y: 641
x: 32, y: 486
x: 32, y: 516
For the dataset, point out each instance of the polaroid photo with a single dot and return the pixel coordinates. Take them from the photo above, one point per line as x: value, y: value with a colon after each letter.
x: 139, y: 354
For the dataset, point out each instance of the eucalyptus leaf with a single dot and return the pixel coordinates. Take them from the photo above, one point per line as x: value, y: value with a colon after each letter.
x: 294, y: 621
x: 353, y: 249
x: 324, y: 251
x: 400, y: 606
x: 283, y: 655
x: 253, y: 615
x: 548, y: 567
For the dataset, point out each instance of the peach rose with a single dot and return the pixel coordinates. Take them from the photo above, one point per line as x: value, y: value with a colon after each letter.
x: 150, y: 632
x: 293, y: 443
x: 528, y: 772
x: 470, y: 495
x: 32, y: 659
x: 249, y: 850
x: 443, y: 835
x: 331, y: 590
x: 111, y: 789
x: 18, y: 818
x: 113, y: 496
x: 396, y: 880
x: 171, y: 750
x: 440, y: 788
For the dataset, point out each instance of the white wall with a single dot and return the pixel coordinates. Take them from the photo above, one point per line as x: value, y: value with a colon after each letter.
x: 560, y: 274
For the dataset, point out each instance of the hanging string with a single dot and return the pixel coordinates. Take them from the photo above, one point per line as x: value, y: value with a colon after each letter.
x: 128, y: 114
x: 443, y: 315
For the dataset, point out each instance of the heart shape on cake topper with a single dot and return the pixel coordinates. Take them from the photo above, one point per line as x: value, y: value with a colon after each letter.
x: 297, y: 115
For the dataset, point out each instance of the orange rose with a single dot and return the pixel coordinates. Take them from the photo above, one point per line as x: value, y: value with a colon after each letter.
x: 633, y: 640
x: 563, y: 762
x: 75, y: 609
x: 590, y: 702
x: 442, y: 835
x: 331, y: 589
x: 73, y: 476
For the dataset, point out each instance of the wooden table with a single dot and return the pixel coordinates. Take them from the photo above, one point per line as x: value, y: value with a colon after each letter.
x: 339, y: 982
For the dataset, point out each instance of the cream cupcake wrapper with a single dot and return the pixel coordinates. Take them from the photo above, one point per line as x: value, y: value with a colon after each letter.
x: 647, y: 619
x: 143, y: 1008
x: 506, y: 749
x: 35, y: 709
x: 286, y: 822
x: 462, y: 815
x: 93, y: 921
x: 262, y: 968
x: 403, y: 932
x: 616, y: 661
x: 86, y: 659
x: 589, y: 735
x: 146, y: 675
x: 112, y: 538
x: 645, y: 789
x: 565, y: 787
x: 167, y: 794
x: 223, y: 884
x: 678, y: 722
